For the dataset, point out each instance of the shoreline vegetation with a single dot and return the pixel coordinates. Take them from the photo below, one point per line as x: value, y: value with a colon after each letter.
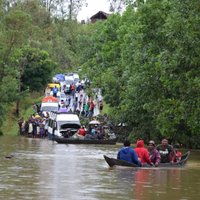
x: 10, y: 124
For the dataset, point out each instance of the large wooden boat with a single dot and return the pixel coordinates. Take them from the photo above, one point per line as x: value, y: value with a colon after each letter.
x: 116, y: 162
x: 84, y: 141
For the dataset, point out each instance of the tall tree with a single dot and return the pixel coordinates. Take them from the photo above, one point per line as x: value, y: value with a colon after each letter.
x: 37, y: 65
x: 157, y: 67
x: 120, y: 5
x: 116, y: 5
x: 64, y: 9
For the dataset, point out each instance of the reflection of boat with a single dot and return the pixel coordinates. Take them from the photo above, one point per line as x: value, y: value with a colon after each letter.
x: 112, y: 162
x: 84, y: 141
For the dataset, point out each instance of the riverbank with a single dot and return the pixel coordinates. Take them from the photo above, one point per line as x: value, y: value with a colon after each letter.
x: 10, y: 124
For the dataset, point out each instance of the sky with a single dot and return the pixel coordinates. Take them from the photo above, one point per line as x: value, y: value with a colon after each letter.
x: 93, y: 7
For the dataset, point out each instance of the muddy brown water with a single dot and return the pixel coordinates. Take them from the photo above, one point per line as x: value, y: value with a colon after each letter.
x: 42, y: 169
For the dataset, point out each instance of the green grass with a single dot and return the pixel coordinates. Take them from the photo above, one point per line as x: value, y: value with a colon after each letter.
x: 106, y: 108
x: 10, y: 125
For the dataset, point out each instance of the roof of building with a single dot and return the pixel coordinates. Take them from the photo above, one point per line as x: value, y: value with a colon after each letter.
x: 100, y: 15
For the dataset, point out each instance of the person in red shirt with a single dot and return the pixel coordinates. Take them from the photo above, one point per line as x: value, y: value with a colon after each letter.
x: 91, y: 109
x: 142, y: 153
x: 82, y: 131
x: 178, y: 154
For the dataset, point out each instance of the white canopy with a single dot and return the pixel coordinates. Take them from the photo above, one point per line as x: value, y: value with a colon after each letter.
x: 94, y: 122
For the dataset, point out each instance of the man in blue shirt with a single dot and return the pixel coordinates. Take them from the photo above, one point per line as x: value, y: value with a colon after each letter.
x: 128, y: 154
x: 55, y: 91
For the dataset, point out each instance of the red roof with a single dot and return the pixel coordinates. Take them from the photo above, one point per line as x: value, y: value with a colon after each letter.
x: 49, y: 99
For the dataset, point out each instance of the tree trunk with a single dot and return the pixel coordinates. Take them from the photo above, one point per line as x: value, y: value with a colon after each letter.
x: 17, y: 108
x: 70, y: 9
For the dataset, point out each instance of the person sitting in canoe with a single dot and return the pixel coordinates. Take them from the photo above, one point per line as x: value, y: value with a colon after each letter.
x: 80, y: 134
x: 128, y: 154
x: 178, y: 154
x: 153, y: 153
x: 82, y: 131
x: 166, y: 151
x: 91, y: 133
x: 142, y: 153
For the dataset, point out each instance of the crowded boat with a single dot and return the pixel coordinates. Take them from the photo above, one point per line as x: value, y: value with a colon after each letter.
x: 161, y: 155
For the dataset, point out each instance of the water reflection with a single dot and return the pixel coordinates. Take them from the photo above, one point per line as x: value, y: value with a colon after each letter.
x: 41, y: 169
x: 155, y: 183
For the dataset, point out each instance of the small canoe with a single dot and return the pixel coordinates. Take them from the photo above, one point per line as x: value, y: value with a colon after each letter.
x: 85, y: 141
x: 116, y: 162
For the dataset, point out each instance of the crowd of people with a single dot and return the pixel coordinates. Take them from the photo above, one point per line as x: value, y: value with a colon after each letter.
x: 75, y: 101
x: 35, y: 126
x: 152, y: 155
x: 97, y: 132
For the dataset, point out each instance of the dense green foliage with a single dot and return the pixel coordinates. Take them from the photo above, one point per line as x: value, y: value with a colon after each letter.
x: 38, y: 66
x: 147, y: 61
x: 34, y: 44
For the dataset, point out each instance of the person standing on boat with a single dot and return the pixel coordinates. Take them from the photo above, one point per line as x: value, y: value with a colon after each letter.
x: 128, y: 154
x: 153, y: 153
x: 166, y: 151
x: 142, y: 153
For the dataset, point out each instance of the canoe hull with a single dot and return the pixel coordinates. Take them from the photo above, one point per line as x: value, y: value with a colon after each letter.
x: 78, y: 141
x: 116, y: 162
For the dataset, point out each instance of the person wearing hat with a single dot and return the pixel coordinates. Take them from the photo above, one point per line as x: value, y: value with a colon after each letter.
x: 153, y: 153
x: 128, y: 154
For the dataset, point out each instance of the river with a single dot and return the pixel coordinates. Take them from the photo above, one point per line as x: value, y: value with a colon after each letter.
x: 44, y: 170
